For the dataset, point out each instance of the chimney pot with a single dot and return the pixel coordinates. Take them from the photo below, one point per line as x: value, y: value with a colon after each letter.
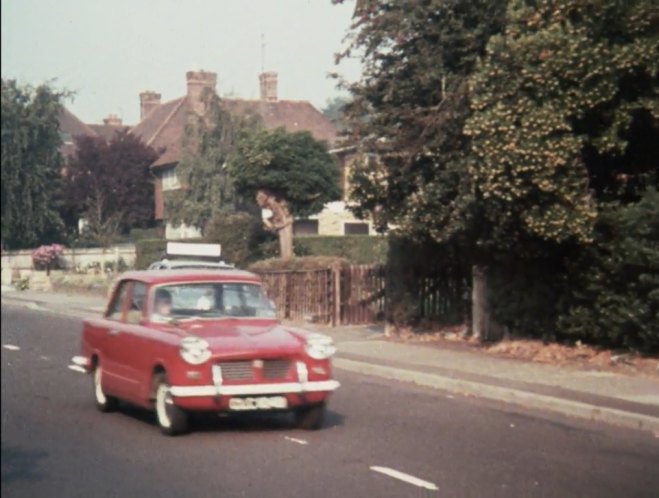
x: 112, y: 120
x: 268, y: 82
x: 148, y: 102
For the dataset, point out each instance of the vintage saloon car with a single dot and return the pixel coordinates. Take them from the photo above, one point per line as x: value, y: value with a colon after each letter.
x: 179, y: 341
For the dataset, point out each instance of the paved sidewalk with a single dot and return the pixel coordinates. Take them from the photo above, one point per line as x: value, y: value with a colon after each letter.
x: 630, y: 401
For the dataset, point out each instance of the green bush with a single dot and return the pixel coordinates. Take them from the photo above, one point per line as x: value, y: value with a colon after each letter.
x: 242, y: 237
x: 613, y: 296
x: 147, y: 251
x: 525, y: 294
x: 137, y: 234
x: 358, y: 249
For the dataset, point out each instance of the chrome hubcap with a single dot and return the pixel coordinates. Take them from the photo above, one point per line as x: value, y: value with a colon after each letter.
x: 163, y: 401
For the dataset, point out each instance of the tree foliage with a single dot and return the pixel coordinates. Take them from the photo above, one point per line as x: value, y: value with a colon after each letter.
x: 291, y: 174
x: 31, y: 163
x: 522, y: 133
x: 614, y: 286
x: 109, y: 184
x: 334, y: 110
x: 209, y: 141
x: 409, y: 107
x: 554, y: 102
x: 293, y: 166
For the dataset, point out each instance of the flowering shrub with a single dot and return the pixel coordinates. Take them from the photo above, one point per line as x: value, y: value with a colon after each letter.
x: 47, y: 257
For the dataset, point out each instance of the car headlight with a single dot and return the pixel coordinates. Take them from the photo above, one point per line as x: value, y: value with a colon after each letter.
x: 194, y: 350
x: 319, y: 346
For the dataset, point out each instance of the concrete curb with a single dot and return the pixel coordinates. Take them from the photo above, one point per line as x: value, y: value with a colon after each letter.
x: 526, y: 399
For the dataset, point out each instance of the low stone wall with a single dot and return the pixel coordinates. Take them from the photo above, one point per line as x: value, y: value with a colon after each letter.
x: 97, y: 284
x: 72, y: 258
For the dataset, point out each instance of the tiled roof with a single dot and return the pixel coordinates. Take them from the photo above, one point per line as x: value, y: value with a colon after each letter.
x: 107, y: 131
x: 70, y: 127
x: 163, y: 128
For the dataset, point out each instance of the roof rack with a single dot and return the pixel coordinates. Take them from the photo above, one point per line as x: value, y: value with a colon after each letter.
x: 208, y: 252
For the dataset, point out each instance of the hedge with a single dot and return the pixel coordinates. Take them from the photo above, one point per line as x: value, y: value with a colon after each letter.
x: 358, y: 249
x: 297, y: 263
x: 147, y: 251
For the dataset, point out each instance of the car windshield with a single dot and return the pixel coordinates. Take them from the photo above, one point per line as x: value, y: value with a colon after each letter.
x: 211, y: 300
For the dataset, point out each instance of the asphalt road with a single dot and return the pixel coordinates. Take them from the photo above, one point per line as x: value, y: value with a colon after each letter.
x: 55, y: 443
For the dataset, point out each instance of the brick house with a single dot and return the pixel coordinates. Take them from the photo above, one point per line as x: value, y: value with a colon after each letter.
x: 70, y: 126
x: 162, y: 126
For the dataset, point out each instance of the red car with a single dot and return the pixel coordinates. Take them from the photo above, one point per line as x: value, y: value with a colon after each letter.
x: 181, y: 341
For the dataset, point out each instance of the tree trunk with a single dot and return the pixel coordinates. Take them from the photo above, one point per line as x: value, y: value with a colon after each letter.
x: 480, y: 323
x: 286, y: 241
x: 281, y: 220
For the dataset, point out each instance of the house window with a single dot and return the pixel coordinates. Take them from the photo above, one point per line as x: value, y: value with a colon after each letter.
x: 170, y: 180
x: 355, y: 229
x: 305, y: 227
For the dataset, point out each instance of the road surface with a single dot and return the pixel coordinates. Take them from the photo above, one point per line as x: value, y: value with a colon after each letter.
x: 381, y: 439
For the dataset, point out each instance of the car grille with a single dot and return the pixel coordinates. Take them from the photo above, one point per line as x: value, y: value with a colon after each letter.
x: 275, y: 369
x: 243, y: 370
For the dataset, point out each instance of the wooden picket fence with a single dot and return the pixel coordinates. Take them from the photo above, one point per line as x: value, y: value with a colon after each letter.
x: 334, y: 296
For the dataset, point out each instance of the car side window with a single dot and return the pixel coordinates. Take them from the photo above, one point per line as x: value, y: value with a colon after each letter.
x: 137, y: 303
x: 116, y: 306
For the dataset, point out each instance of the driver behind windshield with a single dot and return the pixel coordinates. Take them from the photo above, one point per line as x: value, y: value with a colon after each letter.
x: 163, y: 304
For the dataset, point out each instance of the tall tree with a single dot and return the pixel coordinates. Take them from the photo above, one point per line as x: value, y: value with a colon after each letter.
x: 565, y: 107
x: 30, y: 163
x: 110, y: 184
x: 409, y: 109
x: 291, y: 174
x: 209, y: 140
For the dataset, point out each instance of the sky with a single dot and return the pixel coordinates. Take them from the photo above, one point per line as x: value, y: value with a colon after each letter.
x: 108, y: 51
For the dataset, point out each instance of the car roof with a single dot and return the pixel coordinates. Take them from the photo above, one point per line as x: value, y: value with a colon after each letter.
x: 186, y: 275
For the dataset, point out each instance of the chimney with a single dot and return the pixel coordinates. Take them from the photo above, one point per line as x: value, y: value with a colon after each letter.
x: 198, y: 81
x: 268, y: 82
x: 148, y: 101
x: 112, y: 120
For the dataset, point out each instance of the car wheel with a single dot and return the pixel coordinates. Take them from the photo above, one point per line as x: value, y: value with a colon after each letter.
x: 310, y: 417
x: 172, y: 420
x: 104, y: 402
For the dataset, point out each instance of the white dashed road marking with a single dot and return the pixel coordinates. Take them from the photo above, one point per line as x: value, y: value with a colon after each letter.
x: 77, y: 368
x: 11, y: 347
x: 295, y: 440
x: 405, y: 477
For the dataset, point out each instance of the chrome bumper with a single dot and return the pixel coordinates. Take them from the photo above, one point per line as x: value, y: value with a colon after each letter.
x: 255, y: 389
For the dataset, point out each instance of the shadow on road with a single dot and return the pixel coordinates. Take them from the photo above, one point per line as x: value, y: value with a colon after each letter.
x: 19, y: 464
x: 243, y: 422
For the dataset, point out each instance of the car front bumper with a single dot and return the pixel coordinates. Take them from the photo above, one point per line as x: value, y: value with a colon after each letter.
x: 255, y: 389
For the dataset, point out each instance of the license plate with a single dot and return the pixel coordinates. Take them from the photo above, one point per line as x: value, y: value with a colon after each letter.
x: 258, y: 403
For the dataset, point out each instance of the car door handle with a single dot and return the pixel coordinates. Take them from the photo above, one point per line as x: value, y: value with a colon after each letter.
x: 114, y: 332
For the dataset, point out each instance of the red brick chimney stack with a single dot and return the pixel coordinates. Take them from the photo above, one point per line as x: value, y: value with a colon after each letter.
x: 112, y: 120
x: 197, y: 82
x: 148, y: 101
x: 268, y: 81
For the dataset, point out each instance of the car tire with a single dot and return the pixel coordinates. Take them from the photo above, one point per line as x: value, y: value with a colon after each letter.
x: 310, y: 418
x: 171, y: 419
x: 104, y: 402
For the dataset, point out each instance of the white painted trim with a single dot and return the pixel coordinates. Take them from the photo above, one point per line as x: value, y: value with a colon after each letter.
x: 80, y: 360
x: 187, y: 391
x: 405, y: 477
x: 254, y: 389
